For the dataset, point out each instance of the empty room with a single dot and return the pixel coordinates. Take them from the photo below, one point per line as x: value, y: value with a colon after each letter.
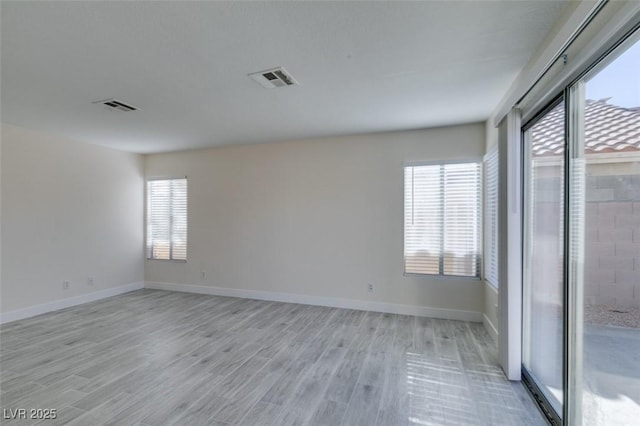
x: 347, y: 213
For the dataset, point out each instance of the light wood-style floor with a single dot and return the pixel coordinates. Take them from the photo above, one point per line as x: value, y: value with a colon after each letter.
x: 157, y: 358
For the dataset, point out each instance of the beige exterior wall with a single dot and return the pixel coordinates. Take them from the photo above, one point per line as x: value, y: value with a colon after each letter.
x: 612, y: 227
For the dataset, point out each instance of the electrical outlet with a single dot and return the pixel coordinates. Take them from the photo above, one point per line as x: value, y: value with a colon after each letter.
x: 90, y: 281
x: 65, y: 285
x: 370, y: 288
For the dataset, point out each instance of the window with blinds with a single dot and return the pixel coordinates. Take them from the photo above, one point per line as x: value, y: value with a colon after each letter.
x: 167, y: 219
x: 442, y: 219
x: 491, y: 218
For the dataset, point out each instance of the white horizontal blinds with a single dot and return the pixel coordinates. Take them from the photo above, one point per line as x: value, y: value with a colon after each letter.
x: 167, y: 219
x: 179, y: 219
x: 462, y: 195
x: 158, y: 219
x: 442, y: 219
x: 422, y: 219
x: 491, y: 217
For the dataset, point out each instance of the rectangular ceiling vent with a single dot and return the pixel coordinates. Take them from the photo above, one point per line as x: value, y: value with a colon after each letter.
x: 276, y: 77
x: 114, y: 105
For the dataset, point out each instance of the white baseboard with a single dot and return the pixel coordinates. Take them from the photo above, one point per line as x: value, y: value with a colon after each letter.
x: 493, y: 331
x: 332, y: 302
x: 56, y: 305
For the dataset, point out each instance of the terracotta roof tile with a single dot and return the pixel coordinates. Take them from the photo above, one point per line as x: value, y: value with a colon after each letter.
x: 609, y: 128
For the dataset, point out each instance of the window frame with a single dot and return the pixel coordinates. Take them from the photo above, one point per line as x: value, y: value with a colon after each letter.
x: 149, y: 247
x: 479, y: 254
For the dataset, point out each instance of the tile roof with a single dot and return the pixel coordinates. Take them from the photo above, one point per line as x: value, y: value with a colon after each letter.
x: 609, y: 128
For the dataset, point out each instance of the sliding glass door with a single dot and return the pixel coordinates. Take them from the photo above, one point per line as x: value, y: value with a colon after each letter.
x: 544, y: 266
x: 607, y: 270
x: 581, y: 236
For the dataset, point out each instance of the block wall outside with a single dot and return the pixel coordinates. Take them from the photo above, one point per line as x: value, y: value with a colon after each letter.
x: 612, y: 234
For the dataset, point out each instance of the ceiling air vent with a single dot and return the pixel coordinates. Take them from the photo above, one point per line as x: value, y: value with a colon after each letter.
x: 276, y: 77
x: 112, y: 104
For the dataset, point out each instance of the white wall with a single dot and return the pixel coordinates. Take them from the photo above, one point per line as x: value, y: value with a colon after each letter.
x: 510, y: 245
x: 318, y: 217
x: 69, y: 211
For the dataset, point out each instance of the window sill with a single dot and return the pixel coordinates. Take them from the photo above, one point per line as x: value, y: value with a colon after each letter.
x: 167, y: 260
x: 442, y: 277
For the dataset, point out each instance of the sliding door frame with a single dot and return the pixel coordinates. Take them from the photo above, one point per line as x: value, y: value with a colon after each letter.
x: 572, y: 95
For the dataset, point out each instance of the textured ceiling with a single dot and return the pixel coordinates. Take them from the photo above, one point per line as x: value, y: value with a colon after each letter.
x: 362, y: 67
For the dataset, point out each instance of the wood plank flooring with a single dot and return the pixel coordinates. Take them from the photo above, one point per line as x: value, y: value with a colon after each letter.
x: 161, y: 358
